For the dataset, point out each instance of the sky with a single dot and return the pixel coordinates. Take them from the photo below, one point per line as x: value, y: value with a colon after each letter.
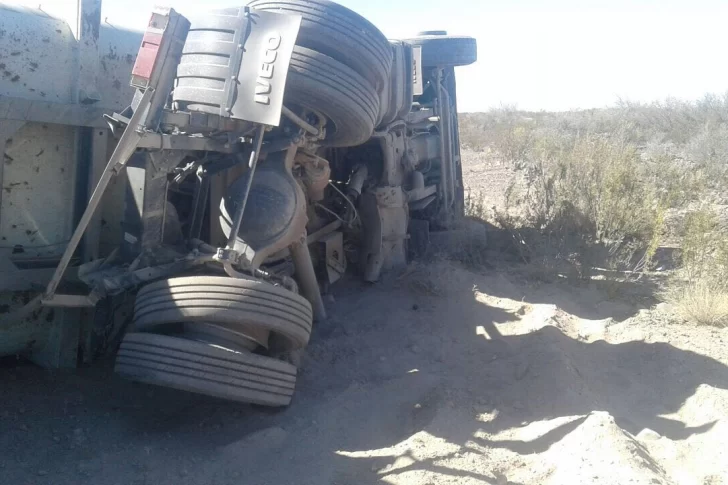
x: 543, y: 54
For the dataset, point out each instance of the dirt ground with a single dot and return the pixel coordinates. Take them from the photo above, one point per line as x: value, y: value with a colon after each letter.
x: 478, y: 377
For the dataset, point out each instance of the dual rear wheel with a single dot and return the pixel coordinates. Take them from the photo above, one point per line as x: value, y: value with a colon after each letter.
x: 217, y: 336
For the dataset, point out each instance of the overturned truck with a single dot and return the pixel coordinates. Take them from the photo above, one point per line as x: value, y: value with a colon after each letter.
x: 264, y: 151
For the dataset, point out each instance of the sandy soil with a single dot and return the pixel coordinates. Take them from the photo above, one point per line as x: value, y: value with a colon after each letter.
x: 474, y: 378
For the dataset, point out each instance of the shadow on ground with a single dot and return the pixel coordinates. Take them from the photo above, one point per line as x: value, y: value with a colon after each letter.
x: 388, y: 365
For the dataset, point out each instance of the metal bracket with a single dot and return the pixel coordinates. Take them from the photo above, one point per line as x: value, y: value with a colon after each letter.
x: 124, y: 151
x: 236, y: 60
x: 73, y: 301
x: 199, y: 204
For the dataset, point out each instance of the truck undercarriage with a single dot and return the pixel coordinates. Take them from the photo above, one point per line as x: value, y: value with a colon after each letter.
x: 267, y: 150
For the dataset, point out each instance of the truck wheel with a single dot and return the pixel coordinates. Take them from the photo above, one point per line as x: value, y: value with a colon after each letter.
x: 227, y: 302
x: 339, y: 33
x: 321, y: 84
x: 205, y: 369
x: 446, y: 50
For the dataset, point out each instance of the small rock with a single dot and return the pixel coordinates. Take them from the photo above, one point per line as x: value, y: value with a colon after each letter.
x: 415, y: 349
x: 382, y: 359
x: 42, y: 473
x: 418, y: 406
x: 415, y: 307
x: 56, y: 439
x: 518, y: 405
x: 23, y: 427
x: 663, y: 307
x: 648, y: 435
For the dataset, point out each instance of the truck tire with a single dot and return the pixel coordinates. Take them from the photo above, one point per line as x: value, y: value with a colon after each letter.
x: 321, y: 84
x: 339, y: 33
x: 229, y: 302
x: 205, y: 369
x: 446, y: 50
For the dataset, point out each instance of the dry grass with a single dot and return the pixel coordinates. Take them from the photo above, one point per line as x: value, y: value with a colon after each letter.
x: 702, y: 302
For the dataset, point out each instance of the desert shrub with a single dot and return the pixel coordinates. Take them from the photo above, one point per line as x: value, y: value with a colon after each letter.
x: 701, y: 302
x: 708, y: 151
x: 475, y: 206
x: 504, y: 130
x: 605, y: 187
x: 699, y: 290
x: 704, y: 247
x: 600, y: 181
x: 587, y: 201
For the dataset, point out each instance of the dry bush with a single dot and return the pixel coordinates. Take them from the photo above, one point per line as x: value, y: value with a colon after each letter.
x: 600, y: 182
x: 475, y: 207
x: 701, y: 302
x: 605, y: 188
x: 699, y: 290
x: 506, y: 130
x: 587, y: 202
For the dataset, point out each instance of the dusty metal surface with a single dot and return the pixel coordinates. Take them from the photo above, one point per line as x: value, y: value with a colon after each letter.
x: 117, y: 53
x: 39, y: 176
x: 35, y: 49
x: 16, y: 109
x: 40, y: 60
x: 88, y: 24
x: 48, y: 336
